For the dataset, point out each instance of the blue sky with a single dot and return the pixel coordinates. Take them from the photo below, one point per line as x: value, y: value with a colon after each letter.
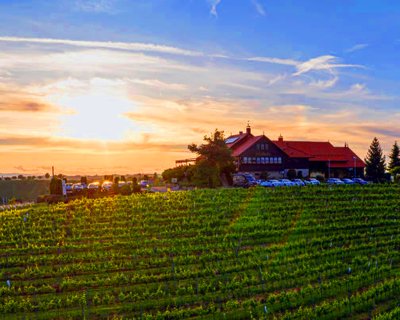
x: 163, y: 73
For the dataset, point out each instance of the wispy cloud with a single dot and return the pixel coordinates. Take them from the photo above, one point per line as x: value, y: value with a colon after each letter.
x: 326, y: 62
x: 357, y: 47
x: 286, y: 62
x: 259, y: 7
x: 131, y: 46
x: 214, y: 4
x: 95, y: 6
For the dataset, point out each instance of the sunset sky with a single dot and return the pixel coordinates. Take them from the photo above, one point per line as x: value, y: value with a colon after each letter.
x: 123, y: 86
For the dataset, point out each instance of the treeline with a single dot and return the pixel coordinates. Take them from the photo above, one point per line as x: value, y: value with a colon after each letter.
x: 376, y: 168
x: 22, y: 177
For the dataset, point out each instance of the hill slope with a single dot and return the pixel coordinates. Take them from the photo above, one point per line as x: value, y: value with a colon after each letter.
x: 299, y: 253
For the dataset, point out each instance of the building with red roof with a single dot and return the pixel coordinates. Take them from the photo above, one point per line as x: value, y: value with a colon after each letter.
x: 259, y: 154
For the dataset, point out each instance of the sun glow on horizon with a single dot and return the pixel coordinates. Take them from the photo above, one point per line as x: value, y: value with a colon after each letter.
x: 98, y: 113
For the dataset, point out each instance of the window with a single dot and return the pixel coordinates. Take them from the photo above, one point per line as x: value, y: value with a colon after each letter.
x: 263, y: 160
x: 266, y: 160
x: 279, y: 160
x: 276, y: 160
x: 261, y: 146
x: 258, y: 160
x: 244, y: 159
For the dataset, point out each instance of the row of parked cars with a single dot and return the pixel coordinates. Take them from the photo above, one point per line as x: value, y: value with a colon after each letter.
x: 247, y: 180
x: 106, y: 186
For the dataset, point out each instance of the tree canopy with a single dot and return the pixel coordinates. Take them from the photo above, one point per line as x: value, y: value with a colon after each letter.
x: 375, y: 162
x: 214, y: 159
x: 394, y: 157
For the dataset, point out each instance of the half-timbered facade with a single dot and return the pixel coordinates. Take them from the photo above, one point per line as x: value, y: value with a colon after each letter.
x: 259, y: 154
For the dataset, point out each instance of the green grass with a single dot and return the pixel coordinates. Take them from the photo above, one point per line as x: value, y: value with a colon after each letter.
x: 297, y: 253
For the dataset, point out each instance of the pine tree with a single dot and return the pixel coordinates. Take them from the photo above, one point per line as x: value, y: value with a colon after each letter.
x: 394, y: 157
x: 375, y: 161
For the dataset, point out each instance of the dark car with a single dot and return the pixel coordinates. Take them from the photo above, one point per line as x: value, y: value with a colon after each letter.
x: 244, y: 180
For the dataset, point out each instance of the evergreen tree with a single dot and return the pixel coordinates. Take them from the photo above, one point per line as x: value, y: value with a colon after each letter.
x: 394, y: 157
x: 375, y: 161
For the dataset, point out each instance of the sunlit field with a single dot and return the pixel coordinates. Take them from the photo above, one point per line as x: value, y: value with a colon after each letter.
x: 290, y: 253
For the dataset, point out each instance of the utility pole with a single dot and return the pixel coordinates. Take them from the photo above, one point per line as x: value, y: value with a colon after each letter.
x: 354, y: 168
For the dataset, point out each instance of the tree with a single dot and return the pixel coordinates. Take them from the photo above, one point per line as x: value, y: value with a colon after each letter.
x: 215, y: 154
x: 375, y: 162
x: 291, y: 174
x: 47, y: 175
x: 56, y: 186
x: 394, y: 157
x: 181, y: 173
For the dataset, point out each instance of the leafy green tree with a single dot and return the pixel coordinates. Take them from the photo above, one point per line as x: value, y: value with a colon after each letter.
x: 215, y: 154
x: 181, y: 173
x: 394, y: 157
x: 205, y: 175
x: 375, y: 162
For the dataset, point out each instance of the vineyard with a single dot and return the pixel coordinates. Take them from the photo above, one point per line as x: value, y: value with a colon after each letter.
x: 290, y: 253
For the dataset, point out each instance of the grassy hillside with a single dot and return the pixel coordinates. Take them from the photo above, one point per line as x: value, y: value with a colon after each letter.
x: 299, y: 253
x: 26, y: 190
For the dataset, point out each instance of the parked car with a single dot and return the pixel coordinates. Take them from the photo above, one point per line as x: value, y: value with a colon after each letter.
x: 243, y: 180
x: 107, y: 186
x: 307, y: 182
x: 144, y: 183
x: 287, y: 183
x: 94, y: 186
x: 121, y: 183
x: 68, y: 187
x: 266, y: 184
x: 360, y: 181
x: 335, y: 181
x: 276, y: 183
x: 348, y: 181
x: 78, y: 187
x: 314, y: 181
x: 298, y: 182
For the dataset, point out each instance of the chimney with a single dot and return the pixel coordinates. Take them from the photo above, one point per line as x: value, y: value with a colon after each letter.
x: 248, y: 129
x: 280, y: 139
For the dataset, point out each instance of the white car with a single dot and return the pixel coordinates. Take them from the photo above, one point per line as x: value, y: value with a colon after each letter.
x: 94, y: 186
x: 314, y: 181
x: 107, y: 185
x: 276, y: 183
x: 287, y: 183
x: 298, y: 182
x: 78, y: 187
x: 121, y: 183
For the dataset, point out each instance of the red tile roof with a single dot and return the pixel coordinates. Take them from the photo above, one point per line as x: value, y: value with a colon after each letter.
x: 245, y: 145
x: 321, y: 151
